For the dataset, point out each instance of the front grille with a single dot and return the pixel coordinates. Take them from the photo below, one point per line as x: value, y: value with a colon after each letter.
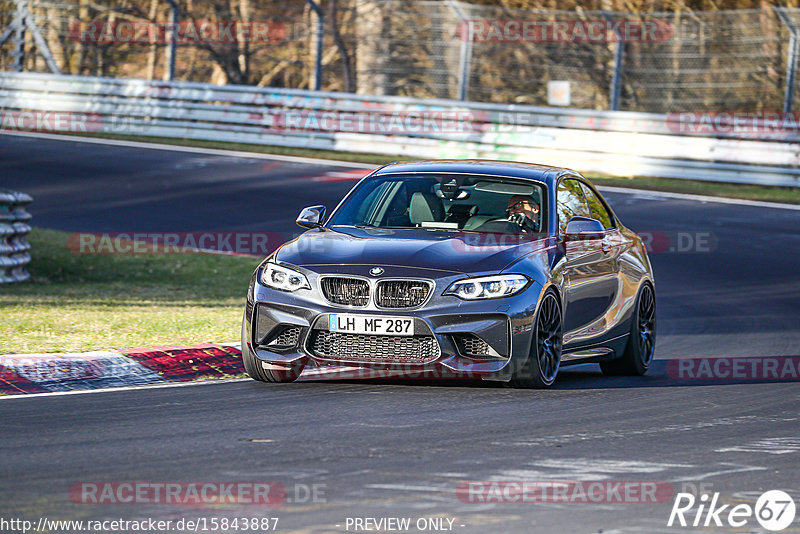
x: 370, y: 348
x: 402, y: 293
x: 347, y: 291
x: 471, y: 345
x: 288, y: 337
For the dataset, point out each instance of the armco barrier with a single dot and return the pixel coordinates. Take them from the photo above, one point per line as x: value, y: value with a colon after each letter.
x: 611, y: 142
x: 14, y: 256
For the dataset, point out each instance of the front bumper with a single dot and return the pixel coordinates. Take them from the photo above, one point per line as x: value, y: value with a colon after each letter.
x: 282, y: 329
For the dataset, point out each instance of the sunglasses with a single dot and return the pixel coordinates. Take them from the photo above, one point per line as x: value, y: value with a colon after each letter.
x: 518, y: 205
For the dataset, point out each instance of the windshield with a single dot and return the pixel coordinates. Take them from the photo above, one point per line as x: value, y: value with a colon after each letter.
x: 445, y: 202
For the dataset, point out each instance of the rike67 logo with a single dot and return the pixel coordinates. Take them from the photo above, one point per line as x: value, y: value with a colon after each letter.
x: 774, y: 510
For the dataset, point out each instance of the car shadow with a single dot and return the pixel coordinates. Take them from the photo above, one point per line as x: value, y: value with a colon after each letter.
x: 662, y: 374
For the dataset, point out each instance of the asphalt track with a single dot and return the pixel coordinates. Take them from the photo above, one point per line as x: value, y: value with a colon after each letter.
x: 400, y: 449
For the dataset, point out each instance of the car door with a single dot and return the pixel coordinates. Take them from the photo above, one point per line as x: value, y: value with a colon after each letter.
x: 590, y: 274
x: 611, y: 247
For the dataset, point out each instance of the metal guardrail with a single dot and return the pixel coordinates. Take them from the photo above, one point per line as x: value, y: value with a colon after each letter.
x: 609, y: 142
x: 14, y: 255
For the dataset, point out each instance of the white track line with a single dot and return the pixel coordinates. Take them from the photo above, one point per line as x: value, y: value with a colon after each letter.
x: 123, y: 388
x: 700, y: 198
x: 354, y: 165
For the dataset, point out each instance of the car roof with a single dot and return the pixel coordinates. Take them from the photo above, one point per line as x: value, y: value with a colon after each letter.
x: 511, y: 169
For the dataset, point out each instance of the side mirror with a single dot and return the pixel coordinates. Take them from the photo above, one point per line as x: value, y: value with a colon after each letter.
x: 311, y: 217
x: 582, y: 228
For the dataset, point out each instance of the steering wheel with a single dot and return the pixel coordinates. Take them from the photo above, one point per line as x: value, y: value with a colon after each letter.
x: 501, y: 226
x: 523, y: 222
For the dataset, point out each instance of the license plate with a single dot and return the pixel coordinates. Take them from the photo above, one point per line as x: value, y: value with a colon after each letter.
x: 371, y: 324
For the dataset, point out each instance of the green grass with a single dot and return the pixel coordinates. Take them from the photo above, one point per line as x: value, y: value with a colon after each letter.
x: 109, y: 302
x: 787, y: 195
x: 790, y: 195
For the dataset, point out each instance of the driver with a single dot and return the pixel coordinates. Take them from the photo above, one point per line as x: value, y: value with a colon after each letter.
x: 524, y: 212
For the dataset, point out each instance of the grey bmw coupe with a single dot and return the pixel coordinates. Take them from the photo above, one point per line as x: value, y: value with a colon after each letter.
x: 467, y: 268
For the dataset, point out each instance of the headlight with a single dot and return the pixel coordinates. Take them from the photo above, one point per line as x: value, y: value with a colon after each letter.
x: 488, y: 287
x: 283, y: 278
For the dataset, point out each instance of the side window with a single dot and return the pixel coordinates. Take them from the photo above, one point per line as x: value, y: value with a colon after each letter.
x: 599, y: 210
x: 571, y: 203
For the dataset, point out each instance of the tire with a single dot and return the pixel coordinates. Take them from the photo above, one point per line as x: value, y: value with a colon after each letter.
x: 641, y: 345
x: 256, y: 371
x: 541, y: 367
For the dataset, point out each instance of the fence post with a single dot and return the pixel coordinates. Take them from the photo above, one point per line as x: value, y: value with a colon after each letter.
x: 9, y: 30
x: 791, y: 59
x: 24, y: 21
x: 172, y: 51
x: 320, y: 37
x: 14, y: 247
x: 465, y: 53
x: 616, y: 76
x: 19, y: 37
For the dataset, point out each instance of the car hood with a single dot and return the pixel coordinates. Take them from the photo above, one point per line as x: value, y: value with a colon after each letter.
x: 455, y: 252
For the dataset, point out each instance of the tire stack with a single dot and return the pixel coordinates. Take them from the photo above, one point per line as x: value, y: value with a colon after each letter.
x: 14, y: 255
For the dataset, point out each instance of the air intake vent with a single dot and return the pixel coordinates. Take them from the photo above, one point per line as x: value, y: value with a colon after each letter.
x: 472, y: 345
x: 370, y: 348
x: 346, y: 291
x: 287, y: 338
x: 402, y: 293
